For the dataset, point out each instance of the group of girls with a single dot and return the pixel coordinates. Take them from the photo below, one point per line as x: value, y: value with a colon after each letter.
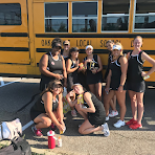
x: 54, y: 67
x: 124, y: 73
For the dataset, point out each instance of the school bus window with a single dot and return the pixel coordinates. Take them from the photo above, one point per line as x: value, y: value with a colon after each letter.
x: 10, y: 14
x: 145, y: 14
x: 115, y: 15
x: 84, y: 16
x: 56, y: 17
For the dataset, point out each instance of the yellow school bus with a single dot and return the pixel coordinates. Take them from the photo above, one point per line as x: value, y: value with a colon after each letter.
x: 27, y: 28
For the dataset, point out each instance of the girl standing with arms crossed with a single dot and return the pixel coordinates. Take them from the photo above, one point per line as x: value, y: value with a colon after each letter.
x: 135, y: 81
x: 115, y: 83
x: 93, y: 73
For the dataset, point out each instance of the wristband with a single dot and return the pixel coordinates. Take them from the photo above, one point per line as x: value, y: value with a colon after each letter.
x: 121, y: 85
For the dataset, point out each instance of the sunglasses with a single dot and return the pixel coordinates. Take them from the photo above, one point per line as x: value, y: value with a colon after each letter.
x: 57, y: 86
x: 58, y: 47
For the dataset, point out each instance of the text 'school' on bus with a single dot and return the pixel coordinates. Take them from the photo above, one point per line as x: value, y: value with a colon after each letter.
x: 27, y: 29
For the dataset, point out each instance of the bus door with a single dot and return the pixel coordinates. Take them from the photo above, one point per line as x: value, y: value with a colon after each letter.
x: 14, y: 41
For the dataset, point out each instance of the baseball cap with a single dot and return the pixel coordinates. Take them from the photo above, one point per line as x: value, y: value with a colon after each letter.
x: 117, y: 47
x: 89, y: 46
x: 76, y: 84
x: 74, y: 49
x: 66, y: 42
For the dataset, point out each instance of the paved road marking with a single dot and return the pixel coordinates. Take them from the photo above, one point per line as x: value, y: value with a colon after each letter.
x: 3, y: 84
x: 27, y: 125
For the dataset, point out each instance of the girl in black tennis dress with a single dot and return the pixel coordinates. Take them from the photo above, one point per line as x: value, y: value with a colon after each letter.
x: 135, y: 81
x: 72, y: 72
x: 49, y: 108
x: 115, y: 83
x: 94, y: 114
x: 94, y: 72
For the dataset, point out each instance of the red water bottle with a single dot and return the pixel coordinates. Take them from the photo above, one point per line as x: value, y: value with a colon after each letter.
x: 51, y: 139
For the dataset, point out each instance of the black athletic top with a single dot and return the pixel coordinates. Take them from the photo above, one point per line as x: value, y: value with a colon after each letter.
x: 72, y: 77
x: 65, y: 57
x: 90, y: 77
x: 115, y: 68
x: 39, y: 105
x: 135, y: 68
x: 54, y: 66
x: 97, y: 104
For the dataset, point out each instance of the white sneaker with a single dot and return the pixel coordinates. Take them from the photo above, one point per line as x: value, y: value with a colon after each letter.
x: 106, y: 130
x: 113, y: 113
x: 119, y: 123
x: 107, y: 118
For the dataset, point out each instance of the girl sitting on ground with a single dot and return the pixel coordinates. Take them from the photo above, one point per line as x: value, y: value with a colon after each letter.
x: 48, y: 109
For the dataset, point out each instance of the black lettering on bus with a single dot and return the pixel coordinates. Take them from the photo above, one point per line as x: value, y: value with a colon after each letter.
x: 45, y: 42
x: 132, y: 43
x: 81, y: 43
x: 49, y: 42
x: 42, y: 42
x: 84, y: 43
x: 101, y: 43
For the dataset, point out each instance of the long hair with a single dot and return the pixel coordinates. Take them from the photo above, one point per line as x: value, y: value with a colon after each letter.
x: 50, y: 87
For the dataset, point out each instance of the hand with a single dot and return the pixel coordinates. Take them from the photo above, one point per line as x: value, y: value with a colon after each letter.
x: 59, y: 76
x: 61, y: 127
x: 107, y: 90
x: 120, y: 89
x: 93, y: 71
x: 71, y: 93
x: 143, y: 74
x: 63, y: 124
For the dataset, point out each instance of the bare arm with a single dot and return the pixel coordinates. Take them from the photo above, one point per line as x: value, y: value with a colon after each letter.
x: 47, y: 99
x: 68, y: 97
x: 60, y: 108
x: 68, y: 67
x: 43, y: 67
x: 151, y: 61
x: 64, y: 72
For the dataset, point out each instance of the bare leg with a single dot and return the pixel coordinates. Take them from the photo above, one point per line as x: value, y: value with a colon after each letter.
x: 133, y: 100
x: 107, y: 101
x: 83, y: 114
x: 121, y: 101
x: 140, y: 106
x: 42, y: 121
x: 87, y: 128
x: 114, y: 102
x: 98, y: 89
x: 92, y: 88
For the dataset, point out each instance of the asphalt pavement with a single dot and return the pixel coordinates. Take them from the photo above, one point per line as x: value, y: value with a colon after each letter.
x: 21, y: 92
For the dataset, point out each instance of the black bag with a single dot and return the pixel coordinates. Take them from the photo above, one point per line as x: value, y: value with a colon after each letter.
x: 18, y: 146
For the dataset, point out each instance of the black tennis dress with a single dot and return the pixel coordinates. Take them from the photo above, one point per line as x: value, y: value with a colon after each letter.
x: 72, y: 78
x: 97, y: 118
x: 39, y: 108
x: 135, y: 81
x: 90, y: 77
x: 54, y: 66
x: 115, y: 68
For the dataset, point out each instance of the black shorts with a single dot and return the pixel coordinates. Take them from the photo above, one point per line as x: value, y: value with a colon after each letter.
x: 96, y: 120
x: 34, y: 113
x: 136, y: 86
x: 115, y: 84
x: 94, y: 78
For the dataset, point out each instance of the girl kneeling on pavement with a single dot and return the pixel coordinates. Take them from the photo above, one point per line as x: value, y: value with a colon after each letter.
x: 115, y: 83
x: 48, y: 109
x: 94, y: 114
